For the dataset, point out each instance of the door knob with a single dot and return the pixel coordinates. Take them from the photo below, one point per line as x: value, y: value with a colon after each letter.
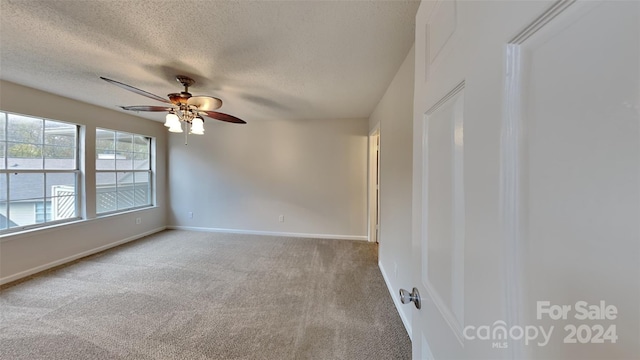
x: 413, y: 296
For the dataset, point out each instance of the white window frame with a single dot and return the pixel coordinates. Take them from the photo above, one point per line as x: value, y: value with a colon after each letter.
x: 148, y: 171
x: 6, y: 171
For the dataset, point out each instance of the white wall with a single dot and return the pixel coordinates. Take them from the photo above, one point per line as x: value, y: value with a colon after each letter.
x: 394, y: 113
x: 243, y: 177
x: 32, y: 251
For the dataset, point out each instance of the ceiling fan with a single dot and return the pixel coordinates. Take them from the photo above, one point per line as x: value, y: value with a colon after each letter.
x: 182, y: 107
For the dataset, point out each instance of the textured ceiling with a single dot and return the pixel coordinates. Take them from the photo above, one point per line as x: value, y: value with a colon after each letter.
x: 264, y: 59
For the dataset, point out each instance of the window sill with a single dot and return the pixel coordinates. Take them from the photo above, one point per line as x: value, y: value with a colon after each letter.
x: 41, y: 230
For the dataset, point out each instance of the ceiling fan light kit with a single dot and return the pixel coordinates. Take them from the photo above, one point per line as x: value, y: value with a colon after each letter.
x: 182, y: 107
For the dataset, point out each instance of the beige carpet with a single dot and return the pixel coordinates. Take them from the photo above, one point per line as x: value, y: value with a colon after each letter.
x: 192, y: 295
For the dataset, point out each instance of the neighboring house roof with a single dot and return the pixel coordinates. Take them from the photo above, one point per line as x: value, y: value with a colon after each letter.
x: 30, y: 186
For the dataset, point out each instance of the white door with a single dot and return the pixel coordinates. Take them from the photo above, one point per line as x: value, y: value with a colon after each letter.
x: 526, y: 214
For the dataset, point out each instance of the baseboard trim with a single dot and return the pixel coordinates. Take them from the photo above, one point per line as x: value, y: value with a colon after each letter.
x: 37, y: 269
x: 272, y: 233
x: 396, y: 301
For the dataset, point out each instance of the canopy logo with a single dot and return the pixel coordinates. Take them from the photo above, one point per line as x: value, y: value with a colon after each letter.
x: 498, y: 333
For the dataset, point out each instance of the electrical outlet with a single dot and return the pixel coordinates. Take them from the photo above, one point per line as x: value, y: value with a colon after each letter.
x: 190, y: 214
x: 281, y: 218
x: 138, y: 221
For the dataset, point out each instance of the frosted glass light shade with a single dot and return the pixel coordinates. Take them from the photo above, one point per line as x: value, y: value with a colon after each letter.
x: 197, y: 126
x: 176, y: 127
x: 171, y: 120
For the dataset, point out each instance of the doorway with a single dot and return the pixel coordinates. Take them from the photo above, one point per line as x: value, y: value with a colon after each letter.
x: 374, y: 184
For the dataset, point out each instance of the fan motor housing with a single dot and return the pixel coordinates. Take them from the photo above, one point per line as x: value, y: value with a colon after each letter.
x: 179, y: 98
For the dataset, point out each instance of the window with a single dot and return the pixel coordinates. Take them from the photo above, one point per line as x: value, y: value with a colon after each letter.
x: 39, y: 172
x: 123, y: 171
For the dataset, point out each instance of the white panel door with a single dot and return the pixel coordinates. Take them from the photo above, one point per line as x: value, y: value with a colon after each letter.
x: 526, y: 214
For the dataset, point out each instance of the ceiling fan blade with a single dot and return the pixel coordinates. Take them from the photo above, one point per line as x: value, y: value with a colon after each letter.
x: 136, y: 90
x: 205, y: 103
x: 146, y: 108
x: 223, y: 117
